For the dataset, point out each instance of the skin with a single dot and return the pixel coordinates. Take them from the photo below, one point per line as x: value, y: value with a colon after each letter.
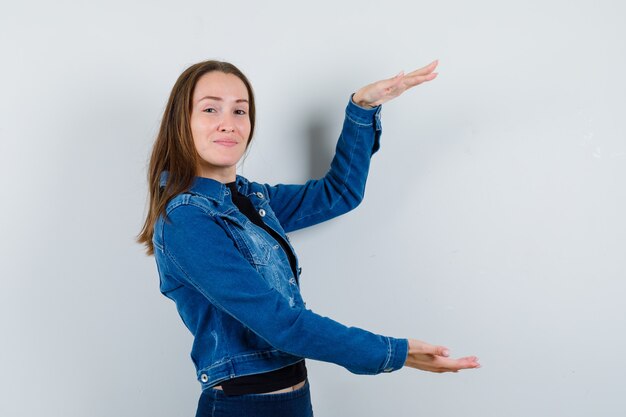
x: 220, y: 124
x: 221, y: 128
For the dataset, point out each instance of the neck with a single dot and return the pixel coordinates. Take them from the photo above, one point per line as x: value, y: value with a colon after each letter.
x: 223, y: 176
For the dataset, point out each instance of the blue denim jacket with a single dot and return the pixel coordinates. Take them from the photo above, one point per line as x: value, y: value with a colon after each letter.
x: 232, y: 282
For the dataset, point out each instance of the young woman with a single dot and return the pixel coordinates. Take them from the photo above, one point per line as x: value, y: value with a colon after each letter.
x: 224, y: 258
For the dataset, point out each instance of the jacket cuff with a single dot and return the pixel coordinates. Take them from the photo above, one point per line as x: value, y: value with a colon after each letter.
x: 363, y: 115
x: 397, y: 354
x: 366, y: 117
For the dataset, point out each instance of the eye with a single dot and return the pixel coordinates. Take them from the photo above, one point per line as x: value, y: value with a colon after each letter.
x: 240, y: 112
x: 209, y: 110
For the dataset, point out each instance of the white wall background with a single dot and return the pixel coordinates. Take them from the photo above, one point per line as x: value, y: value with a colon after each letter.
x: 493, y: 222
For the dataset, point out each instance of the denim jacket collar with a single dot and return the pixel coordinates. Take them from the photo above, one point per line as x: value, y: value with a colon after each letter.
x: 210, y: 188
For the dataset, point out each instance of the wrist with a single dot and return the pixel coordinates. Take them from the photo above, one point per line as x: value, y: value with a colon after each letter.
x: 358, y: 100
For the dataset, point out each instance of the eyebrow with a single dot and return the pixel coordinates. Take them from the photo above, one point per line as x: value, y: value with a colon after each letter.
x: 240, y: 100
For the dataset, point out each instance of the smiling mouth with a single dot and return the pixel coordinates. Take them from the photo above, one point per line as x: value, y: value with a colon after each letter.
x: 226, y: 142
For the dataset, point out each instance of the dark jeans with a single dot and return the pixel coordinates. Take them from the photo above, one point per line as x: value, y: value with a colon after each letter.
x: 214, y: 403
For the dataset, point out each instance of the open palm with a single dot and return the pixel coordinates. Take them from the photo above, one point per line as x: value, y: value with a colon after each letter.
x: 384, y: 90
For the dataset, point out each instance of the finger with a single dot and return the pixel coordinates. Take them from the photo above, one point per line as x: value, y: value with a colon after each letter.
x: 436, y: 350
x: 413, y: 80
x: 453, y: 365
x: 425, y: 70
x: 464, y: 363
x: 393, y: 82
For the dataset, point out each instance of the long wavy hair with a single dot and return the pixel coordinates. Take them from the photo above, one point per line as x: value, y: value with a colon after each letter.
x: 174, y: 149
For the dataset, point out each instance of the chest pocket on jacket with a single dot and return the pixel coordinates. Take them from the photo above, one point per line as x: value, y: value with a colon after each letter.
x: 266, y: 256
x: 260, y: 249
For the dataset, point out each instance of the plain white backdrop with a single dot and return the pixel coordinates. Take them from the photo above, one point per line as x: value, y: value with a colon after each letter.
x: 493, y: 221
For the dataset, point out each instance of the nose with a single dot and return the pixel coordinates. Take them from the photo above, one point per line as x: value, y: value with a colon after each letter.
x: 227, y: 124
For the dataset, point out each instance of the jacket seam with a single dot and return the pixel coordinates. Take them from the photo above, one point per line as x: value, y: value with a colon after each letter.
x: 230, y: 359
x: 389, y: 350
x: 357, y: 122
x: 195, y: 284
x: 180, y: 267
x: 189, y: 278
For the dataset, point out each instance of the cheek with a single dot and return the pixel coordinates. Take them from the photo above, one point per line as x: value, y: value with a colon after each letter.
x: 244, y: 127
x: 199, y: 125
x: 196, y: 136
x: 197, y: 144
x: 195, y: 127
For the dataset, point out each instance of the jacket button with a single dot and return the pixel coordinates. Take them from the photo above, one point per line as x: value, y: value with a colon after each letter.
x: 292, y: 280
x: 260, y: 195
x: 262, y: 213
x: 204, y: 378
x: 300, y: 271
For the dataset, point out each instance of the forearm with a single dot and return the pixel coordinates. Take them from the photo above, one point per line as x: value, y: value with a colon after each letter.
x: 356, y: 349
x: 202, y: 255
x: 343, y: 187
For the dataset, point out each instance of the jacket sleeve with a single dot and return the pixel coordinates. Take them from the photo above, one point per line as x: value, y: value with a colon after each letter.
x: 208, y: 260
x: 343, y: 186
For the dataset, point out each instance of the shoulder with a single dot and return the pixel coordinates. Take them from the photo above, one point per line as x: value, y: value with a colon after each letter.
x: 188, y: 203
x: 187, y: 214
x: 190, y: 223
x: 186, y: 206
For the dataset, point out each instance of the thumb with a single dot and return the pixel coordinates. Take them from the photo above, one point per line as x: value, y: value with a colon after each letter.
x: 442, y: 351
x: 427, y: 348
x: 390, y: 82
x: 438, y: 350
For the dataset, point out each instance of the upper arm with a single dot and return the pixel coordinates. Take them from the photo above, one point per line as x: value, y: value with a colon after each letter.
x: 208, y: 259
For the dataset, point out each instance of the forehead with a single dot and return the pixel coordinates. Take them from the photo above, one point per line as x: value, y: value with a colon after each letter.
x: 219, y: 84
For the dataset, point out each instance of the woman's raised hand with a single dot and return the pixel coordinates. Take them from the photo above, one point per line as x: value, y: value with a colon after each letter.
x: 384, y: 90
x: 435, y: 358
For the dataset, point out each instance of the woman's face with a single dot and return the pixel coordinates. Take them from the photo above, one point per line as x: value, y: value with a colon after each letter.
x: 220, y: 124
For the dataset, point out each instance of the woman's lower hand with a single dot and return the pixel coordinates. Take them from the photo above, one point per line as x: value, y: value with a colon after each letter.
x: 382, y: 91
x: 433, y: 358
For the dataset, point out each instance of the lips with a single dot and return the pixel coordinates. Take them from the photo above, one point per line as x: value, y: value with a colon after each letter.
x: 226, y: 142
